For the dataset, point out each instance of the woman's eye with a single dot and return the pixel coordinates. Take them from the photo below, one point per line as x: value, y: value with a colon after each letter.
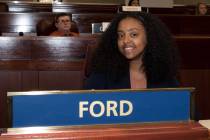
x: 133, y: 34
x: 120, y: 35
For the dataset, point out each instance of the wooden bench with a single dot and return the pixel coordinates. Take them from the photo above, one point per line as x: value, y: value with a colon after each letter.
x: 68, y: 7
x: 29, y: 6
x: 178, y: 24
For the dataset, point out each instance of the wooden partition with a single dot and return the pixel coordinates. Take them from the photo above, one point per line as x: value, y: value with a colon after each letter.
x: 86, y: 7
x: 187, y: 24
x: 195, y: 70
x: 22, y: 22
x: 26, y: 6
x: 41, y: 63
x: 29, y: 6
x: 152, y: 131
x: 178, y: 24
x: 26, y: 22
x: 3, y: 7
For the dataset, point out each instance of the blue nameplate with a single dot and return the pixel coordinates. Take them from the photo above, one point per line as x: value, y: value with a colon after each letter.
x: 100, y: 107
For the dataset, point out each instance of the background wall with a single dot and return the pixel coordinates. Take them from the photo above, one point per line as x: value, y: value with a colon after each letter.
x: 122, y: 1
x: 190, y: 1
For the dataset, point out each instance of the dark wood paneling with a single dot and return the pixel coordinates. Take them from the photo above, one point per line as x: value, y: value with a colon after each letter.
x: 22, y: 22
x: 30, y: 80
x: 62, y: 7
x: 10, y: 81
x: 61, y: 80
x: 152, y: 131
x: 86, y: 8
x: 178, y: 24
x: 187, y: 24
x: 29, y: 7
x: 3, y: 7
x: 194, y: 51
x: 195, y: 70
x: 41, y: 63
x: 198, y: 78
x: 182, y: 10
x: 84, y: 21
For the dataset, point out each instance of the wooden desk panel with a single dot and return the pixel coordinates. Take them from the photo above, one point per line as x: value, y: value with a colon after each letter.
x: 41, y: 63
x: 194, y: 51
x: 26, y: 6
x: 22, y: 22
x: 86, y: 7
x: 162, y: 131
x: 68, y: 7
x: 187, y: 24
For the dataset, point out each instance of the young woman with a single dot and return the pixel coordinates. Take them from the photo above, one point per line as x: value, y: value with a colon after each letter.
x: 136, y: 51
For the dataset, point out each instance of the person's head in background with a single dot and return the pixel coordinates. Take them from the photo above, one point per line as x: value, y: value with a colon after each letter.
x: 133, y: 3
x: 64, y: 26
x: 202, y: 8
x: 63, y: 22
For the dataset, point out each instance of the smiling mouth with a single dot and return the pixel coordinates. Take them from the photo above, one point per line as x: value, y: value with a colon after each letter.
x: 128, y: 48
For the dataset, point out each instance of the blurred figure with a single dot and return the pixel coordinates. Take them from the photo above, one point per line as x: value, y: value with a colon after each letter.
x: 44, y: 27
x: 202, y: 9
x: 63, y: 24
x: 133, y: 3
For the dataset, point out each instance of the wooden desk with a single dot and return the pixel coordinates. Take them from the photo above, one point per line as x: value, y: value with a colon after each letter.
x: 41, y: 63
x: 162, y: 131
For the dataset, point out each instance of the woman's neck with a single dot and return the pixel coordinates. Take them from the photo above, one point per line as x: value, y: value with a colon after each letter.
x: 136, y: 65
x: 137, y: 75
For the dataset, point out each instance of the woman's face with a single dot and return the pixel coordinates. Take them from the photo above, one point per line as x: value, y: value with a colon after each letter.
x: 131, y: 38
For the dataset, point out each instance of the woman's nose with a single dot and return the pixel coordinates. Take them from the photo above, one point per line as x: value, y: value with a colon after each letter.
x: 126, y: 39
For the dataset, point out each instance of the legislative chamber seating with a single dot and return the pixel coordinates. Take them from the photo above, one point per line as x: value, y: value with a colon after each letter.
x: 56, y: 63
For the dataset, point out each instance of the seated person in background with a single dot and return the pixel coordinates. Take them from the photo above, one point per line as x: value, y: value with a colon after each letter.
x: 133, y: 3
x: 136, y: 51
x: 201, y: 9
x: 44, y: 27
x: 63, y: 25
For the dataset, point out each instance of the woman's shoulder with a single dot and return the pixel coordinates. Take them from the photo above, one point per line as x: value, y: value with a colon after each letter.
x: 96, y: 81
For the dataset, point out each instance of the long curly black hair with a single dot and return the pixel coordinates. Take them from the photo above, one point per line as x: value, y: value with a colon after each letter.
x: 160, y: 59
